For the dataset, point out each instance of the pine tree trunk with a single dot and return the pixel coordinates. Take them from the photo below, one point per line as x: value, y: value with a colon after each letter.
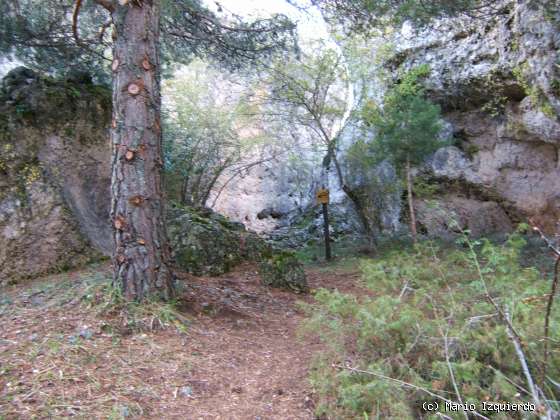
x: 410, y: 201
x: 141, y: 254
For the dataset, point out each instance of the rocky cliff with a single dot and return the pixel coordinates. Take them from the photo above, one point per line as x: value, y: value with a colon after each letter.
x: 498, y: 82
x: 54, y: 174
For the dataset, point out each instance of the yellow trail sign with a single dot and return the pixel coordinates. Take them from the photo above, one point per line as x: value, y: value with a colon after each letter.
x: 323, y: 196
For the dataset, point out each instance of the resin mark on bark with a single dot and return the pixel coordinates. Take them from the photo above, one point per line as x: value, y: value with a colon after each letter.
x: 134, y: 88
x: 120, y: 223
x: 136, y: 200
x: 146, y: 65
x: 129, y: 155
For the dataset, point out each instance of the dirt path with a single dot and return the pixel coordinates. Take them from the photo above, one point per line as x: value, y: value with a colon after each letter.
x: 239, y: 358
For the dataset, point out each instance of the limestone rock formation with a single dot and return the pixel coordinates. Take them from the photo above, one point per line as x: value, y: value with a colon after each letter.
x: 454, y: 213
x: 54, y: 174
x: 55, y: 186
x: 498, y: 82
x: 206, y: 243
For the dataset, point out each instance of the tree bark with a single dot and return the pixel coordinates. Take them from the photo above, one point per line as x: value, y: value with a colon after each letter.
x: 410, y: 201
x: 141, y: 254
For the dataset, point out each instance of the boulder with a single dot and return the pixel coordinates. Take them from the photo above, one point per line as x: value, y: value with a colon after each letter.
x: 283, y: 270
x: 498, y: 87
x: 206, y: 243
x: 450, y: 214
x: 203, y: 244
x: 55, y: 186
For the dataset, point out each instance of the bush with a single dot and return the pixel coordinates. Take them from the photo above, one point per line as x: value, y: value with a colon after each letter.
x: 428, y: 321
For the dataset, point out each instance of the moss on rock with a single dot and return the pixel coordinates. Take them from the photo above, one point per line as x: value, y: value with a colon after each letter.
x: 207, y: 243
x: 283, y: 270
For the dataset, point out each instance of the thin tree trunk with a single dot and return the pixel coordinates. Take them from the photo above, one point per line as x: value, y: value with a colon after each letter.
x: 410, y: 201
x: 361, y: 211
x: 185, y: 190
x: 141, y: 255
x: 326, y: 230
x: 217, y: 173
x: 356, y: 201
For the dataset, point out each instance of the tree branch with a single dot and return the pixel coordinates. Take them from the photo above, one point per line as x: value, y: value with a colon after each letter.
x: 550, y: 302
x: 107, y: 4
x: 547, y: 317
x: 75, y: 16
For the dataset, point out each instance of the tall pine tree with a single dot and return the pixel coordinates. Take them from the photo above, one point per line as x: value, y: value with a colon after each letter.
x: 48, y: 35
x: 407, y: 129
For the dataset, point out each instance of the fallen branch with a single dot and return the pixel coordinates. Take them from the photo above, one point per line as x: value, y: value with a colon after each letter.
x: 534, y: 390
x: 450, y: 368
x: 519, y: 387
x: 547, y: 241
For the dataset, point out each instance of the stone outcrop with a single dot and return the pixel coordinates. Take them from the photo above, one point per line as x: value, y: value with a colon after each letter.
x: 497, y: 80
x: 54, y: 174
x: 452, y: 213
x: 283, y: 270
x: 207, y: 243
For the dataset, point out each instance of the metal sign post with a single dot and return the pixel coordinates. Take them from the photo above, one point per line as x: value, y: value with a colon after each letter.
x: 323, y: 199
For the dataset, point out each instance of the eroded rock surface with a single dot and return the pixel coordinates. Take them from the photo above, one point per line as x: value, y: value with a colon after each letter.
x: 498, y: 83
x: 206, y: 243
x: 283, y: 270
x: 54, y: 174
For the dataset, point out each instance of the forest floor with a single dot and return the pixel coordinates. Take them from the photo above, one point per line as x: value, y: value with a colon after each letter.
x: 238, y: 355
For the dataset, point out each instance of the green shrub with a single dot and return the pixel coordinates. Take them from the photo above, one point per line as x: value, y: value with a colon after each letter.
x: 428, y: 318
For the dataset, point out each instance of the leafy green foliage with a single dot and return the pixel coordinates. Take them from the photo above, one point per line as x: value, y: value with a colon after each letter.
x: 408, y: 126
x: 39, y: 33
x: 309, y: 92
x: 426, y: 316
x: 202, y: 136
x: 190, y: 29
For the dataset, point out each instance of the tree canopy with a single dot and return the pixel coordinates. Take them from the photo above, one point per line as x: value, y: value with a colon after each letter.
x: 408, y: 125
x: 366, y: 15
x: 55, y: 36
x: 205, y: 116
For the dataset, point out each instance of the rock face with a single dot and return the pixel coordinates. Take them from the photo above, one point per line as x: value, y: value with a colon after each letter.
x: 498, y: 83
x: 54, y: 174
x: 307, y: 228
x: 270, y: 195
x: 455, y: 213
